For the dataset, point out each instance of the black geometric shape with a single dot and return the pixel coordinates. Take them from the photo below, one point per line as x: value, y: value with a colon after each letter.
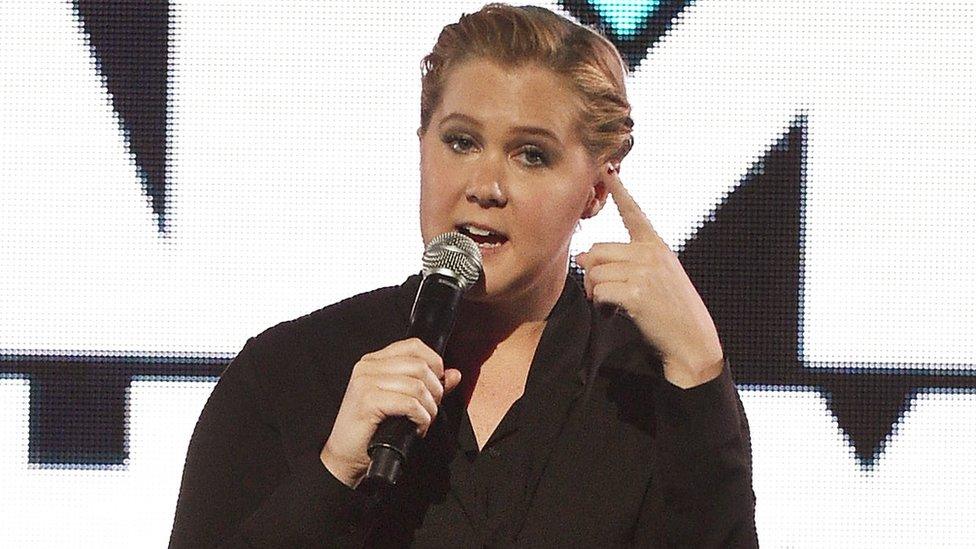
x: 867, y: 407
x: 78, y: 412
x: 77, y: 415
x: 130, y: 44
x: 746, y: 260
x: 633, y: 47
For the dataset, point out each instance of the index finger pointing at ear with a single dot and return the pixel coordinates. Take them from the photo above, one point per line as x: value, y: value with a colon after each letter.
x: 638, y: 226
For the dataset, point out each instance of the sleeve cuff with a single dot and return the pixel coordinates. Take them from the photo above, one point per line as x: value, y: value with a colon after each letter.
x: 309, y: 507
x: 701, y: 417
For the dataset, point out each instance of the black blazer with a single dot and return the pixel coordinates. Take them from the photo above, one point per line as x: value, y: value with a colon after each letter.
x: 617, y: 454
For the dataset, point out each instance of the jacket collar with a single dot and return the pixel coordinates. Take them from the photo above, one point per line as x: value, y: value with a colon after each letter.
x: 577, y: 340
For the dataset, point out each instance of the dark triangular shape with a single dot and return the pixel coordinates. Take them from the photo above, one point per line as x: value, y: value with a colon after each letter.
x: 130, y: 44
x: 867, y: 407
x: 745, y: 261
x: 633, y: 47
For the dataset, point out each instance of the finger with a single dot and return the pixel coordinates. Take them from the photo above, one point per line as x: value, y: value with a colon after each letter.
x: 452, y: 378
x: 411, y: 387
x: 613, y: 293
x: 412, y: 347
x: 411, y: 368
x: 606, y: 252
x: 638, y: 225
x: 606, y: 272
x: 617, y: 271
x: 391, y: 404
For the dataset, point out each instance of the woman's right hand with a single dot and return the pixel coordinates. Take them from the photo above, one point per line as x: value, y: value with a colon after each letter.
x: 402, y: 379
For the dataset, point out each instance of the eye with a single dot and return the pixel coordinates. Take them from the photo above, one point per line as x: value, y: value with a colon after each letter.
x: 534, y: 156
x: 459, y: 143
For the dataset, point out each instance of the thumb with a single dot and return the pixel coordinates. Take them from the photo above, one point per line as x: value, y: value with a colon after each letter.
x: 452, y: 378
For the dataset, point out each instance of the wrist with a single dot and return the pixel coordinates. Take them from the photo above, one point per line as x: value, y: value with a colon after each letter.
x: 341, y: 470
x: 690, y: 374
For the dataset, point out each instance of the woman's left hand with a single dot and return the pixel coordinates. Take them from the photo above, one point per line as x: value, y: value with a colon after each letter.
x: 645, y: 278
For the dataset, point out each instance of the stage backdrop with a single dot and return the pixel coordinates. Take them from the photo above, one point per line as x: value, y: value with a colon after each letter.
x: 176, y: 177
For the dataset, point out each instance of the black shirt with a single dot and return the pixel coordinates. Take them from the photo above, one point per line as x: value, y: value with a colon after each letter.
x: 600, y: 450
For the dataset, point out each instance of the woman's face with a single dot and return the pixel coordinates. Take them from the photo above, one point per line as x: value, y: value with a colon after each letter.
x: 502, y: 154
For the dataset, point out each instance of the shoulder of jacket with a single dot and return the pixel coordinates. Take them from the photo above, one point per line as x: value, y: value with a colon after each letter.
x: 361, y: 312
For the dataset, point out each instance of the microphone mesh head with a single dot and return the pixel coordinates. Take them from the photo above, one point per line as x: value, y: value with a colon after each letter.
x: 456, y: 255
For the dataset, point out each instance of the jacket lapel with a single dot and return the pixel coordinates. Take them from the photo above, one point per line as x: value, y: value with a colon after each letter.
x: 581, y: 340
x: 555, y: 383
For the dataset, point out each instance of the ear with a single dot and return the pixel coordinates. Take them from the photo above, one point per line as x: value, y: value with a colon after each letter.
x: 597, y: 198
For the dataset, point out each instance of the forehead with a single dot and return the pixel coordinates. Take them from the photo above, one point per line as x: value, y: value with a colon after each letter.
x: 500, y: 96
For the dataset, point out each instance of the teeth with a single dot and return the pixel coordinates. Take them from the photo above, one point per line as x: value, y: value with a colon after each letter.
x: 477, y: 231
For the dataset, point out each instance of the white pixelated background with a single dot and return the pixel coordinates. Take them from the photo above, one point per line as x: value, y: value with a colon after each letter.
x: 176, y: 177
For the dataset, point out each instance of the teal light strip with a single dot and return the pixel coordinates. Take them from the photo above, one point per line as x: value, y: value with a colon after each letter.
x: 625, y: 17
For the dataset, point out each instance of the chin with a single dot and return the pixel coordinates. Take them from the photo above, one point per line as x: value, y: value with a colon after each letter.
x: 483, y: 292
x: 499, y: 287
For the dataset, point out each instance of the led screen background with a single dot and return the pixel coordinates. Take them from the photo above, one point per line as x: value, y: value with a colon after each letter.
x: 176, y: 177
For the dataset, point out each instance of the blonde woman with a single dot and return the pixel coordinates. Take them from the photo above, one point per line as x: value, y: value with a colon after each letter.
x: 547, y: 422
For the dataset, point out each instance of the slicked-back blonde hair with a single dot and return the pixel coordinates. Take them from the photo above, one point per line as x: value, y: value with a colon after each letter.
x: 518, y: 35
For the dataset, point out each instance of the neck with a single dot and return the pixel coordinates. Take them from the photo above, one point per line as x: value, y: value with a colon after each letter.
x: 485, y: 328
x: 497, y: 320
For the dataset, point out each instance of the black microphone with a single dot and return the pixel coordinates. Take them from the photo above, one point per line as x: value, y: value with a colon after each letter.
x: 452, y: 264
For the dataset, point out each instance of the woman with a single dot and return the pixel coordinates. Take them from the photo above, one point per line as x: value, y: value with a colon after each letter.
x: 557, y: 423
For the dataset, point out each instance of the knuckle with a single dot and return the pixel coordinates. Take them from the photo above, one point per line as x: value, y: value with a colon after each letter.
x: 358, y: 383
x: 360, y: 366
x: 422, y: 413
x: 416, y: 345
x: 431, y: 403
x: 418, y: 387
x: 418, y: 368
x: 403, y: 404
x: 438, y: 392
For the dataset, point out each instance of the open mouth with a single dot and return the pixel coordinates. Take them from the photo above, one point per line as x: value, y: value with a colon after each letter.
x: 485, y: 238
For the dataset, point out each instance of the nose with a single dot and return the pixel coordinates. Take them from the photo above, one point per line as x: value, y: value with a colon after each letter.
x: 486, y: 187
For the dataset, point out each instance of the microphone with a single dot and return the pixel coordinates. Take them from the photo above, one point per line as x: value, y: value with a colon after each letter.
x: 452, y: 264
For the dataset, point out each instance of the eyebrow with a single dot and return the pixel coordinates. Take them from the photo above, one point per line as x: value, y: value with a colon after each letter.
x: 531, y: 130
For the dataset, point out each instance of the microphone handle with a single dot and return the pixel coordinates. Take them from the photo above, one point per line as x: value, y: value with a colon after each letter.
x: 431, y: 321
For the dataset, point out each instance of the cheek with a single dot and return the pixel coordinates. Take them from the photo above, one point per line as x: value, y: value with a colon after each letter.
x: 433, y: 193
x: 434, y: 173
x: 568, y: 204
x: 561, y: 211
x: 428, y: 209
x: 435, y: 201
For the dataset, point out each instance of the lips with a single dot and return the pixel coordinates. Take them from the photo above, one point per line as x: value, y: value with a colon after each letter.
x: 486, y: 237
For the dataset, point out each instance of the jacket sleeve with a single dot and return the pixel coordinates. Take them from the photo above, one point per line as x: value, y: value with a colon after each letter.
x: 701, y: 494
x: 239, y: 487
